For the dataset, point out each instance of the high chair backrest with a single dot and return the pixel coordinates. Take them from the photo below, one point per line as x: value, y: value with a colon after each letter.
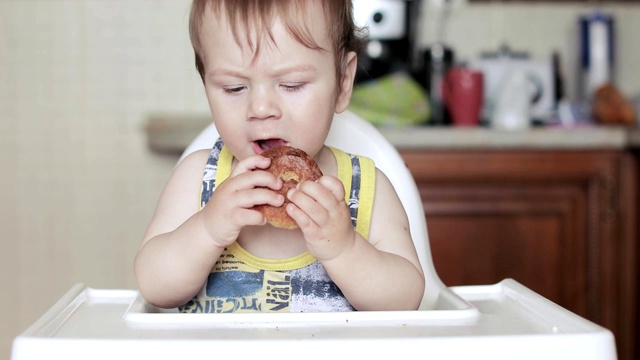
x: 354, y: 135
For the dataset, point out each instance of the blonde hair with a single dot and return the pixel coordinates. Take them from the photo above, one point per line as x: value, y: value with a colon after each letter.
x: 259, y: 16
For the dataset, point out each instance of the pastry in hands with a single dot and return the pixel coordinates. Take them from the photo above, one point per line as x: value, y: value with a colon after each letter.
x: 293, y: 166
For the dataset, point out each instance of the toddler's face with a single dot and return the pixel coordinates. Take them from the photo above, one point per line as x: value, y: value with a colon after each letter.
x: 287, y: 94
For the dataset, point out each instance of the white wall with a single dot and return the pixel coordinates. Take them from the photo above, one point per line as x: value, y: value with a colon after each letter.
x: 78, y: 79
x: 77, y: 82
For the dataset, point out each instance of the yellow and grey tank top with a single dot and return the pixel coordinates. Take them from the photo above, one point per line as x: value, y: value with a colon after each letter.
x: 243, y: 282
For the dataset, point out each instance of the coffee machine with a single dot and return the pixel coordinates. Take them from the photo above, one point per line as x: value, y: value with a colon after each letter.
x: 392, y: 27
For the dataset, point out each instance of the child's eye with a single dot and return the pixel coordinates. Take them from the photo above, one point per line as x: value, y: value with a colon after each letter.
x: 234, y: 90
x: 293, y: 87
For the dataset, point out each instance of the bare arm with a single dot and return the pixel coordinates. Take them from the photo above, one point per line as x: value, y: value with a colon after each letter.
x: 183, y: 243
x: 383, y: 273
x: 176, y: 253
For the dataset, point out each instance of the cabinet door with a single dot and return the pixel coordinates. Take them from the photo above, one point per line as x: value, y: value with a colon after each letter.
x: 482, y: 233
x: 548, y: 219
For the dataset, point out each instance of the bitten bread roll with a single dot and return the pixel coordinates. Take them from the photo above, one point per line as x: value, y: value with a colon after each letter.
x: 292, y: 166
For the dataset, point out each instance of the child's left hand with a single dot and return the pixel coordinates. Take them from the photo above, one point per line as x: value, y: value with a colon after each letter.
x: 323, y: 216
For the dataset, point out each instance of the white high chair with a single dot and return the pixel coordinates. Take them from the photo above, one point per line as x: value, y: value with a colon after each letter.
x: 500, y: 321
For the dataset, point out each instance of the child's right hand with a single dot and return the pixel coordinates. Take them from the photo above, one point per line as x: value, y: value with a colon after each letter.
x: 231, y: 205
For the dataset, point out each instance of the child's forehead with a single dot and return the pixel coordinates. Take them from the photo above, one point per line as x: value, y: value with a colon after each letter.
x: 306, y: 22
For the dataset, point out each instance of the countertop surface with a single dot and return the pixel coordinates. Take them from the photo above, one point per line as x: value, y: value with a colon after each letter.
x: 543, y: 138
x: 172, y: 133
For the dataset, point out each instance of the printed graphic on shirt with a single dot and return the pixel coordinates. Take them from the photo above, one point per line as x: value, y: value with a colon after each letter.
x: 234, y: 286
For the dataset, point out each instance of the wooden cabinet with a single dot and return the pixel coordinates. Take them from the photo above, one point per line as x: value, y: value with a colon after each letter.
x: 560, y: 222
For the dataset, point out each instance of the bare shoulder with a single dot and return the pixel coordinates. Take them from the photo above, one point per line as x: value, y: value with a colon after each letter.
x: 389, y: 230
x: 194, y: 162
x: 180, y: 198
x: 388, y: 204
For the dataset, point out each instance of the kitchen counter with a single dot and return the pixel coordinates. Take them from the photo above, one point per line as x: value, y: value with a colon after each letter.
x: 536, y: 138
x: 172, y: 133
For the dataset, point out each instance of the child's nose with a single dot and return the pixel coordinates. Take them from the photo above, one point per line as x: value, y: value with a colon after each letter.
x: 264, y: 105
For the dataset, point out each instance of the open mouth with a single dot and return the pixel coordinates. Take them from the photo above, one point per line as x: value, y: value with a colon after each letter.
x: 261, y: 146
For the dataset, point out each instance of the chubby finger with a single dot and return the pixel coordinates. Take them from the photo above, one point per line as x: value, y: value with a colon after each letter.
x: 259, y: 196
x: 307, y: 205
x: 251, y: 163
x: 300, y: 217
x: 251, y: 217
x: 334, y: 185
x: 253, y: 179
x: 326, y: 197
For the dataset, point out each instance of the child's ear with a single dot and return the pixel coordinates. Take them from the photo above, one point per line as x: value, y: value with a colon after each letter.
x: 346, y: 83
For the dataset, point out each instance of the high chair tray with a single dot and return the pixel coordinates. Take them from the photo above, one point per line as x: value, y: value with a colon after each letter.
x: 507, y: 321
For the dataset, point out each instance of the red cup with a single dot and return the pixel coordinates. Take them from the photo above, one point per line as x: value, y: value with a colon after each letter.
x: 462, y: 94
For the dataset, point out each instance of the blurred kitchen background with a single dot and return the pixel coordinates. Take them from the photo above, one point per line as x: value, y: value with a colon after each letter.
x: 98, y: 97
